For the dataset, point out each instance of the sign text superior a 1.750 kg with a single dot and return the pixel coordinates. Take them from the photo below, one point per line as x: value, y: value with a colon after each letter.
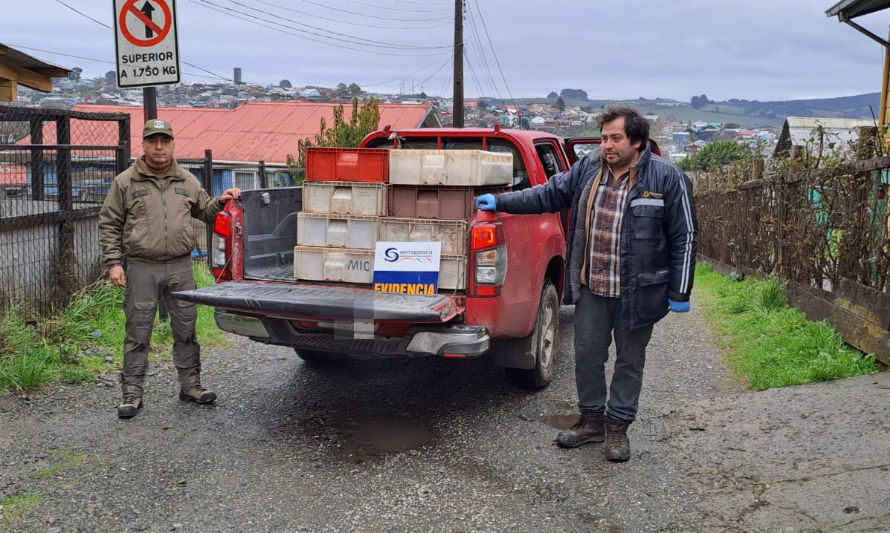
x: 145, y: 42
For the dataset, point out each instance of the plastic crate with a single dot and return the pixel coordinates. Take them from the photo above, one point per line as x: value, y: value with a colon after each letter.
x: 347, y: 164
x: 342, y: 198
x: 468, y: 168
x: 314, y: 229
x: 357, y: 266
x: 443, y: 203
x: 451, y: 233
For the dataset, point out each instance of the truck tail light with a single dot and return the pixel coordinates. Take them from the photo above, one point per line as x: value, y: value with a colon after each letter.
x: 221, y: 245
x: 488, y: 254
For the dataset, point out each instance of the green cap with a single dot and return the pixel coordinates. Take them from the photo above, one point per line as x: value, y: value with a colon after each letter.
x: 157, y: 125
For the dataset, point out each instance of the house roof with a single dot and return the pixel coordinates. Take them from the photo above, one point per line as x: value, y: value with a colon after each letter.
x: 255, y: 131
x: 800, y: 130
x: 855, y: 8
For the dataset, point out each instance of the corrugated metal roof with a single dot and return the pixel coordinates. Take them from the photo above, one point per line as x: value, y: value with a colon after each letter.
x: 829, y: 123
x: 255, y: 131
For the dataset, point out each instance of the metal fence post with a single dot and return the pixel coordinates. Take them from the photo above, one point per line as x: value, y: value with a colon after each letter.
x: 207, y: 178
x: 264, y: 182
x: 36, y: 159
x: 67, y: 264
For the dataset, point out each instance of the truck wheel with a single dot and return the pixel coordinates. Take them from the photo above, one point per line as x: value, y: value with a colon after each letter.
x: 543, y: 341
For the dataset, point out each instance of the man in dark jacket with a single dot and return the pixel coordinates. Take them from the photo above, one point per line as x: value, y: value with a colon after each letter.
x: 147, y: 220
x: 630, y: 259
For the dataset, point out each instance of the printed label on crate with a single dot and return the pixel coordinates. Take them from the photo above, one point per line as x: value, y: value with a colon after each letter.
x: 407, y: 267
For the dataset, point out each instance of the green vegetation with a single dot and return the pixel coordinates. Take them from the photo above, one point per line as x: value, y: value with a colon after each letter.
x: 15, y: 506
x: 84, y: 339
x: 716, y: 155
x: 69, y: 461
x: 771, y: 344
x: 363, y: 120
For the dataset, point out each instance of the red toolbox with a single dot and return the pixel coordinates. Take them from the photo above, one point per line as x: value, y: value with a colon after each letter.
x: 347, y: 164
x: 445, y: 203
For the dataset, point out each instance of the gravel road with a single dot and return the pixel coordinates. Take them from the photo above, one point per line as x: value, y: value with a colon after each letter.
x: 435, y: 445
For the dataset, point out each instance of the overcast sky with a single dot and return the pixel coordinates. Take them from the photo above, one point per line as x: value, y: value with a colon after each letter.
x: 612, y: 49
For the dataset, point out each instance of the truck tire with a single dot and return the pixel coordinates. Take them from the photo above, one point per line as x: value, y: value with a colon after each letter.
x: 543, y: 342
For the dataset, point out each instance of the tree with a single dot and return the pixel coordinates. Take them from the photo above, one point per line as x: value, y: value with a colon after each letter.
x: 285, y: 84
x: 354, y: 89
x: 75, y: 73
x: 573, y: 94
x: 560, y: 104
x: 482, y: 105
x: 697, y: 102
x: 341, y: 90
x: 716, y: 155
x: 362, y: 121
x: 111, y: 76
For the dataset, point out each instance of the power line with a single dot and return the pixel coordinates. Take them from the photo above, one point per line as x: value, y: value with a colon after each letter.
x: 431, y: 63
x: 481, y: 53
x: 413, y: 27
x: 83, y: 14
x: 376, y: 17
x: 349, y: 38
x: 497, y: 61
x: 231, y: 12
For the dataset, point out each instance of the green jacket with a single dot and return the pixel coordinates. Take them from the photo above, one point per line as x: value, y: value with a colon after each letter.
x: 150, y: 218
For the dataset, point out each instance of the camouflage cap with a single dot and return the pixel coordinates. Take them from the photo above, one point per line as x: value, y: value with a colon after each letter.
x: 157, y: 125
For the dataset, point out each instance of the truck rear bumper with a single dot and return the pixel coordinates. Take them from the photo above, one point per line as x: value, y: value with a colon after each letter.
x: 438, y: 340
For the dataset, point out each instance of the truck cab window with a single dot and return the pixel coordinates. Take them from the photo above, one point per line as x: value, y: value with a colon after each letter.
x: 550, y: 160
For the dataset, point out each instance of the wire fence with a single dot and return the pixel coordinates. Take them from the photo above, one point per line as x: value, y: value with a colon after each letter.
x: 56, y: 168
x: 814, y: 227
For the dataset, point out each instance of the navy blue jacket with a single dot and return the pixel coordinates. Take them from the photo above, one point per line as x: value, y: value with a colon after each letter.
x: 657, y: 235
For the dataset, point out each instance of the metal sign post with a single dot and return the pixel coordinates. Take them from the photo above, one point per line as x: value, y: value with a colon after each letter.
x: 146, y: 46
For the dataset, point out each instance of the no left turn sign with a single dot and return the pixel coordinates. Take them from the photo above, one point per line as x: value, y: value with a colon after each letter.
x: 145, y: 42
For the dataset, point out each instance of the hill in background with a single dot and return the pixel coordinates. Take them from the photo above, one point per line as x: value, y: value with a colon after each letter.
x: 745, y: 113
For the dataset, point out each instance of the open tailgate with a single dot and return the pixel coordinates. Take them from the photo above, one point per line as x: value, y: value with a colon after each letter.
x: 323, y: 302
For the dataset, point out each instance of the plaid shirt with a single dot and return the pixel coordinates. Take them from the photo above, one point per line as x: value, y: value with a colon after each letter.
x: 605, y: 225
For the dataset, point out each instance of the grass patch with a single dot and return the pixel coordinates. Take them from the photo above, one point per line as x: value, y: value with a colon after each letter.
x: 16, y: 506
x: 69, y: 461
x: 771, y: 344
x: 72, y: 345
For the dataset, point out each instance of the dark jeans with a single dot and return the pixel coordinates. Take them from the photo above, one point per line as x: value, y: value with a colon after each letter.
x: 595, y: 318
x: 146, y: 282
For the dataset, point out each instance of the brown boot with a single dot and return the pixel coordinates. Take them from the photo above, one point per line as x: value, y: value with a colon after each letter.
x: 197, y: 394
x: 589, y: 428
x: 617, y: 445
x: 129, y: 406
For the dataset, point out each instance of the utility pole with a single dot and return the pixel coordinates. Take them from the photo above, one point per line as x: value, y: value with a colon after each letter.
x: 457, y: 109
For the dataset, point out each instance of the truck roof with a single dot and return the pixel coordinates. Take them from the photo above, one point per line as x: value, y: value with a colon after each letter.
x: 519, y: 135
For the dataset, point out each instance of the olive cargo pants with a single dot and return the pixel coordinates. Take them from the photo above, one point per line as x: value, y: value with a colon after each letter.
x: 146, y: 282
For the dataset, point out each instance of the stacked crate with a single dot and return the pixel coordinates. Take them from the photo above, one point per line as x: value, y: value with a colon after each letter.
x: 353, y: 198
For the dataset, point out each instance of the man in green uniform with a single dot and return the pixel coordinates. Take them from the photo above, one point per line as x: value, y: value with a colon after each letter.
x: 146, y: 223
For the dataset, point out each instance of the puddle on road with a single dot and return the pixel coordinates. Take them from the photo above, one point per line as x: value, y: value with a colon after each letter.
x: 560, y: 421
x: 380, y: 437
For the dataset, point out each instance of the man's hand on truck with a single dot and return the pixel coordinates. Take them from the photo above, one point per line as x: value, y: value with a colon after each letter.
x: 487, y: 202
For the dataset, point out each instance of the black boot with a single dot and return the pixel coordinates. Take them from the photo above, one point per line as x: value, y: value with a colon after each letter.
x: 590, y: 428
x: 617, y: 445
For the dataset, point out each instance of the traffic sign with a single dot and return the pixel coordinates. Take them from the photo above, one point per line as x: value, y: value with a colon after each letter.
x: 145, y: 42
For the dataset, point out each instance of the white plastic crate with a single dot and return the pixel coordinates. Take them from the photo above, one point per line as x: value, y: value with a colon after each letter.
x: 344, y: 198
x: 313, y: 263
x: 451, y: 233
x: 450, y: 167
x: 314, y: 229
x: 332, y: 264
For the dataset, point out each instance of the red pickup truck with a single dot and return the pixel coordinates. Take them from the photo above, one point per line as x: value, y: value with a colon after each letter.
x: 507, y: 306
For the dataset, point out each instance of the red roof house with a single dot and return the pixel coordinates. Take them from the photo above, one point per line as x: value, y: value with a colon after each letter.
x: 255, y: 131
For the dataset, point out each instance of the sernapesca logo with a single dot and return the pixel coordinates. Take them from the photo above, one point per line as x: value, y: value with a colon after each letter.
x: 392, y: 255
